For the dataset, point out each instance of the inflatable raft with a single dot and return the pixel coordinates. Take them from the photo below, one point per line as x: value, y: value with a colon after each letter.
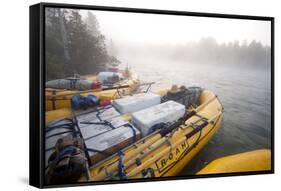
x: 56, y: 99
x: 148, y: 151
x: 257, y: 160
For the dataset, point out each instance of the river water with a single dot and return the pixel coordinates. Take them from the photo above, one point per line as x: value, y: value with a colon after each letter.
x: 246, y: 96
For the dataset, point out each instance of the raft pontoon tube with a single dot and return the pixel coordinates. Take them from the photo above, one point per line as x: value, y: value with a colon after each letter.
x: 257, y: 160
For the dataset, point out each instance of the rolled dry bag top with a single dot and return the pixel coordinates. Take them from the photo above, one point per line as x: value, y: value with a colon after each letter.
x: 96, y: 85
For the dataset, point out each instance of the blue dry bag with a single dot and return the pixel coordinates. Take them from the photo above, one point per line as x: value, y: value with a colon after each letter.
x: 83, y: 102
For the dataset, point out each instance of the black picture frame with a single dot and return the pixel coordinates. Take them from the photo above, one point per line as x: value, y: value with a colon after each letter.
x: 37, y: 84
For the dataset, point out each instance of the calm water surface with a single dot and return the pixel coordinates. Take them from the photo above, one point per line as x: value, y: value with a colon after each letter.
x: 244, y: 92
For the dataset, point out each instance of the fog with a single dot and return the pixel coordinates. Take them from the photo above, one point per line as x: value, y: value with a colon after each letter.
x: 151, y: 38
x: 171, y: 29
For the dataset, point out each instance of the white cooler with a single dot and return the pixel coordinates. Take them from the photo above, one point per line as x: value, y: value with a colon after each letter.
x: 166, y: 112
x: 110, y: 142
x: 136, y: 102
x: 108, y: 139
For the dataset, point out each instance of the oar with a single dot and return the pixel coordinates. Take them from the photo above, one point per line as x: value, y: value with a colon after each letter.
x: 97, y: 90
x: 168, y: 130
x: 159, y: 135
x: 167, y: 150
x: 89, y: 91
x: 152, y: 148
x: 114, y: 167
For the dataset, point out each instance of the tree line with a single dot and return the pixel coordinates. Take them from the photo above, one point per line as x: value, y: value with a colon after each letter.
x: 74, y: 45
x: 207, y: 50
x: 248, y: 54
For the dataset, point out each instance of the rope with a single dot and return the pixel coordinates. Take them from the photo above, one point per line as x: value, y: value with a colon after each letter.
x: 121, y: 172
x: 133, y: 130
x: 146, y: 171
x: 167, y: 140
x: 60, y: 133
x: 98, y: 123
x: 53, y: 126
x: 75, y: 121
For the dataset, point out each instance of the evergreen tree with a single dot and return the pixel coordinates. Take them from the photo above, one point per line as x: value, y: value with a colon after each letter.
x: 73, y: 45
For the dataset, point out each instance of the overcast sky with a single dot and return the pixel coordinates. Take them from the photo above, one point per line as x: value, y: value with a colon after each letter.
x: 171, y: 29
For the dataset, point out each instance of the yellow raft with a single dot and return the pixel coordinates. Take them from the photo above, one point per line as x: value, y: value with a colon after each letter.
x: 162, y: 155
x: 56, y: 99
x: 257, y: 160
x: 68, y: 112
